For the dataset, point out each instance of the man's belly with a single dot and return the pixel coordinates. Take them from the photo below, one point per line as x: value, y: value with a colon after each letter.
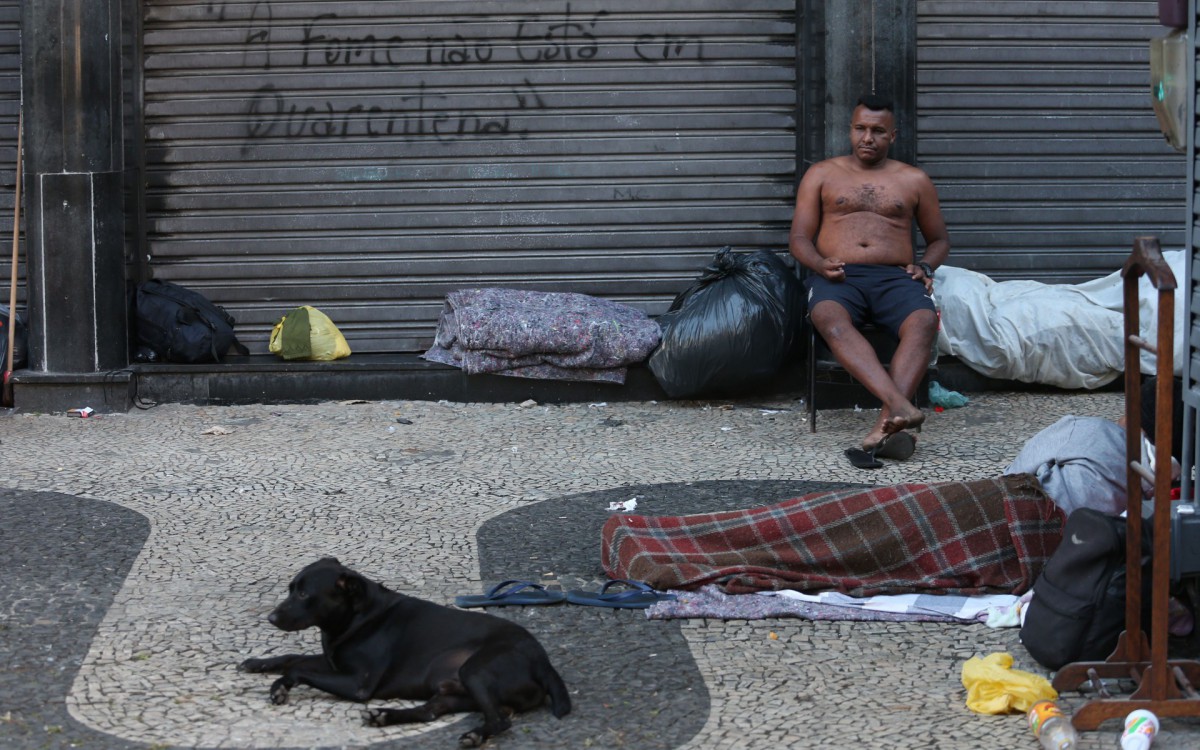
x: 898, y: 254
x: 865, y: 239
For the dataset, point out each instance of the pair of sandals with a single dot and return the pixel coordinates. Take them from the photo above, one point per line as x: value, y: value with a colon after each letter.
x: 899, y: 446
x: 636, y: 595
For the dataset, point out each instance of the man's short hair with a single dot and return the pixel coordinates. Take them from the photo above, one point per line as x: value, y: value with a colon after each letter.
x: 876, y: 103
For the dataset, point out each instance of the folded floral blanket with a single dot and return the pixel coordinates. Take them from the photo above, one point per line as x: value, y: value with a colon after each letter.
x: 550, y: 335
x: 976, y: 537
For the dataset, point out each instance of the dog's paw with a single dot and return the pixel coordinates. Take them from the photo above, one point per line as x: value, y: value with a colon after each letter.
x: 472, y: 738
x: 252, y: 665
x: 279, y: 692
x: 375, y: 717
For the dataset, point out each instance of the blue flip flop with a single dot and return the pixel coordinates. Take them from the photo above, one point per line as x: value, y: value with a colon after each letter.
x: 637, y: 596
x: 512, y: 592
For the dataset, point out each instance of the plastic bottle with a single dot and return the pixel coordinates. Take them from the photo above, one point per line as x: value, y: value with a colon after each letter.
x: 1140, y: 728
x: 1052, y: 729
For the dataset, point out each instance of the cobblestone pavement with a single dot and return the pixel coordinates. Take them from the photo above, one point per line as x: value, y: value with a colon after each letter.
x: 140, y: 552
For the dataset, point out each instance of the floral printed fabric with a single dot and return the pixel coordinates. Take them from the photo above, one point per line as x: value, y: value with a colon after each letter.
x: 547, y: 335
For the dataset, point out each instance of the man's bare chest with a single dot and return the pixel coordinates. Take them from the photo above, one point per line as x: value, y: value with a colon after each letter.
x: 870, y: 197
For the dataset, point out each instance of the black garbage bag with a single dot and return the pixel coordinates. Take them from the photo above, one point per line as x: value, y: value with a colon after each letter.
x: 732, y: 329
x: 20, y: 340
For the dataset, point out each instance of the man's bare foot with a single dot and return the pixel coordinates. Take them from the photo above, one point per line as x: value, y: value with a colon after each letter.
x: 897, y: 422
x: 873, y: 438
x: 889, y: 423
x: 899, y: 446
x: 876, y: 440
x: 878, y: 432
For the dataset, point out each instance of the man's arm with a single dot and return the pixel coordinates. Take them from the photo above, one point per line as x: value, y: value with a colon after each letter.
x: 931, y: 224
x: 806, y: 222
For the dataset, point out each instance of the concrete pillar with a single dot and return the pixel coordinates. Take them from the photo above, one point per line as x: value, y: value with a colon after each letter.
x: 870, y: 47
x: 75, y: 228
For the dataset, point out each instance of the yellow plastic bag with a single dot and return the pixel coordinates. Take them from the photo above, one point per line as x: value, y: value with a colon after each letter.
x: 308, y: 333
x: 994, y: 687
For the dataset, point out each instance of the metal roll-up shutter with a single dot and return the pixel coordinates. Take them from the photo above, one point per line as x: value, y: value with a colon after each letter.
x: 1035, y: 122
x: 10, y: 107
x: 369, y: 157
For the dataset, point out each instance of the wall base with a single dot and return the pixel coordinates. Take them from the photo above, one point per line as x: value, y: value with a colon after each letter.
x: 266, y: 379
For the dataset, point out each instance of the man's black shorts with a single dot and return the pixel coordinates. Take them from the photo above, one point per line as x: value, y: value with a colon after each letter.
x: 882, y: 295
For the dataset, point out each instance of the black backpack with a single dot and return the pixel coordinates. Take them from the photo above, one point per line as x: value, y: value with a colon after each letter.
x: 1078, y: 606
x: 179, y: 325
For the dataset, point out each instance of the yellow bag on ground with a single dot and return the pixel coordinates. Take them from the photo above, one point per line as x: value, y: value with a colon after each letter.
x: 994, y: 687
x: 308, y: 333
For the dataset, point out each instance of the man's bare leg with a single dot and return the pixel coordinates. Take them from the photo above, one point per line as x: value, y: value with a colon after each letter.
x: 857, y: 355
x: 908, y: 366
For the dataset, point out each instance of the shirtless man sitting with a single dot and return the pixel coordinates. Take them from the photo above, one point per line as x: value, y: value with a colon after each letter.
x: 853, y: 229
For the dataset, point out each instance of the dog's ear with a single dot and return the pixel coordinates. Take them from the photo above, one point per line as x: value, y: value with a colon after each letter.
x: 333, y: 560
x: 353, y: 585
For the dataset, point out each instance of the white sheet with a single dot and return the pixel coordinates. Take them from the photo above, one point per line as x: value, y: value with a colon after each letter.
x: 958, y: 607
x: 1066, y: 335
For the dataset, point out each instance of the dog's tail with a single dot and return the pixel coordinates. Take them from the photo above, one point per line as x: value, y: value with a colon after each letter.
x: 550, y: 680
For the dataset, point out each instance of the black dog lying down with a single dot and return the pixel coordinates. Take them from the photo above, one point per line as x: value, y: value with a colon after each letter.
x: 378, y: 643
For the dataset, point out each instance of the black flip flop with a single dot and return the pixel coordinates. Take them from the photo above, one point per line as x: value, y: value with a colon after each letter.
x: 862, y: 459
x: 899, y: 446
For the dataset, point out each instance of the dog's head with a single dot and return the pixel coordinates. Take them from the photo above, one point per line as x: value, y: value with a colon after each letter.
x: 326, y: 594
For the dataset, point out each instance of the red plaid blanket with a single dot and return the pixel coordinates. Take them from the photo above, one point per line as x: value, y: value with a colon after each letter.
x: 984, y: 536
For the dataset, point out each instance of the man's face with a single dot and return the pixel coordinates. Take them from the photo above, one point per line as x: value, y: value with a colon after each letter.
x: 871, y: 134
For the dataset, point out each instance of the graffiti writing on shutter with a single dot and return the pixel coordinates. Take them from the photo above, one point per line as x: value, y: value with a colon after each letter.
x: 415, y: 106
